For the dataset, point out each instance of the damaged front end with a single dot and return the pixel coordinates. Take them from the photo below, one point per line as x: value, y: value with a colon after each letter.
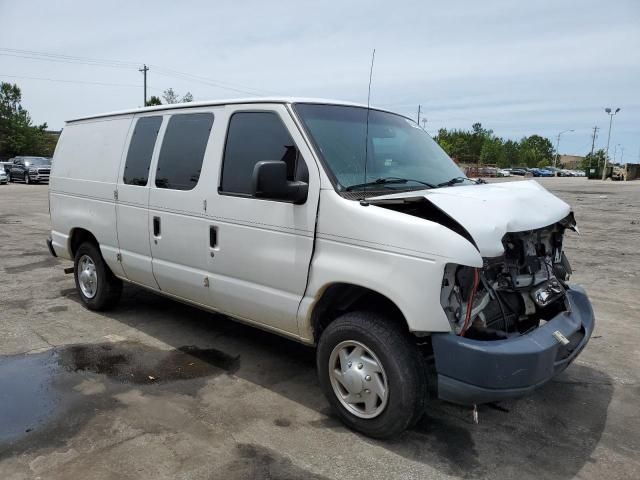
x: 513, y: 293
x: 516, y: 322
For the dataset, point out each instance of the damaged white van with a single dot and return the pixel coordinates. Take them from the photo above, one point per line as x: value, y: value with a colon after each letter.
x: 335, y: 225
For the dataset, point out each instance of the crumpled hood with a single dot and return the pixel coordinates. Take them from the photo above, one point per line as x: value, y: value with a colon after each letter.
x: 489, y: 211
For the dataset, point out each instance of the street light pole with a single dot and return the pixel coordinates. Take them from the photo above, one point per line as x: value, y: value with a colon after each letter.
x: 606, y: 157
x: 557, y: 157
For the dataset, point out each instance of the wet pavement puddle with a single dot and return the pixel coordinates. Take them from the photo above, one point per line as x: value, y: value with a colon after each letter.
x: 26, y: 396
x: 38, y: 388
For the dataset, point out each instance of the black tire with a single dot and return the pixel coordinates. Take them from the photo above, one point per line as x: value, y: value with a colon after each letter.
x: 403, y: 363
x: 109, y: 287
x: 27, y: 180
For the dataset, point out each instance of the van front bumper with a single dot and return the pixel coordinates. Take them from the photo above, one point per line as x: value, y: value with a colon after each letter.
x: 473, y: 371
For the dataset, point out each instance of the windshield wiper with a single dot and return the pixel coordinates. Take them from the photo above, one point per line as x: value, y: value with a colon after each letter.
x: 454, y: 180
x: 387, y: 181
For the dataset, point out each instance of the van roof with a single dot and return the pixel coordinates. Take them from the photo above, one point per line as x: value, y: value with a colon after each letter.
x: 232, y: 101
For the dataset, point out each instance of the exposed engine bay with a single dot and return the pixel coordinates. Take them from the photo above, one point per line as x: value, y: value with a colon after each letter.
x: 513, y: 293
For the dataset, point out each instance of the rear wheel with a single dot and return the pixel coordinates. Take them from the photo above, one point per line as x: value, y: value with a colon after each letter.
x: 372, y: 373
x: 96, y: 284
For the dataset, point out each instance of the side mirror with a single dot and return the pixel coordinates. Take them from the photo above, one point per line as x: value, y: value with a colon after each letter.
x: 270, y: 181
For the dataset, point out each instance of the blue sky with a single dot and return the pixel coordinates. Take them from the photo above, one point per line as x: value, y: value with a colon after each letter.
x: 517, y: 67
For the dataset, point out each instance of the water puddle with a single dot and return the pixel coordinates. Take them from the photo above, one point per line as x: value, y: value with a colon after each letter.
x: 26, y: 394
x: 36, y: 389
x: 139, y: 364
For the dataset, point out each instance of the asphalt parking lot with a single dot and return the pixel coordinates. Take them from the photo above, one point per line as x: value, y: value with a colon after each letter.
x: 157, y: 389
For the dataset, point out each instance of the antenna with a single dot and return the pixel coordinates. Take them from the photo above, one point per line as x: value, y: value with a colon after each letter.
x: 366, y: 136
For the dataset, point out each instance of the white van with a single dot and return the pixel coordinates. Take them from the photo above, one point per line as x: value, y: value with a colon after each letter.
x: 335, y: 225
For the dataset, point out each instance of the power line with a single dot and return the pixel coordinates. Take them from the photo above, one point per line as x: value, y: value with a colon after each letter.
x: 69, y: 59
x: 185, y: 76
x: 74, y: 81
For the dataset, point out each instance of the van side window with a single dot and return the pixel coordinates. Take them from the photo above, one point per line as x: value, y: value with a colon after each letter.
x: 136, y: 168
x: 183, y: 146
x: 253, y: 137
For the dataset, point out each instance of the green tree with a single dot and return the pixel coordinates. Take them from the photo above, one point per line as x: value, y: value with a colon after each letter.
x: 511, y: 156
x: 542, y: 147
x: 594, y: 160
x: 18, y: 136
x: 153, y: 101
x: 543, y: 163
x: 480, y: 145
x: 530, y: 157
x: 479, y: 136
x: 446, y: 146
x: 492, y: 152
x: 464, y: 145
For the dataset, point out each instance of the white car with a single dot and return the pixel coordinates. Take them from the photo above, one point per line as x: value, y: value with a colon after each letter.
x: 333, y: 224
x: 504, y: 173
x: 3, y: 176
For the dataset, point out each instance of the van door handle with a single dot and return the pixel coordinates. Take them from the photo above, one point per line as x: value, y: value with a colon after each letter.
x: 213, y: 236
x: 156, y: 226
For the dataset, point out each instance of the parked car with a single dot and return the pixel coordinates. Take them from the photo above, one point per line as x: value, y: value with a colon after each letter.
x: 4, y: 178
x: 5, y: 166
x: 504, y: 172
x: 262, y: 211
x: 30, y: 169
x: 521, y: 172
x: 543, y: 172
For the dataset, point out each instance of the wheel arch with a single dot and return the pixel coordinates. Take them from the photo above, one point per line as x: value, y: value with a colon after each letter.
x: 78, y: 236
x: 338, y: 298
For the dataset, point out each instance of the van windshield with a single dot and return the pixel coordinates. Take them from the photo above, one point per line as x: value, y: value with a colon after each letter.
x: 400, y: 154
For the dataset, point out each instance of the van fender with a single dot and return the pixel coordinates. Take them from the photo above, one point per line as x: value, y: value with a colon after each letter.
x: 413, y: 284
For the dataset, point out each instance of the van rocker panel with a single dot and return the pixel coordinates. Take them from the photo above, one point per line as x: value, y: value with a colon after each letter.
x: 474, y: 371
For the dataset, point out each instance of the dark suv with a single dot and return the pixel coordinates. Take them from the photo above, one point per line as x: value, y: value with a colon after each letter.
x: 29, y: 169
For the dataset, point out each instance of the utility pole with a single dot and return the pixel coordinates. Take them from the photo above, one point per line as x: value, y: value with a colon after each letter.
x: 419, y: 107
x: 144, y: 71
x: 557, y: 157
x: 606, y: 158
x: 593, y: 139
x: 424, y: 123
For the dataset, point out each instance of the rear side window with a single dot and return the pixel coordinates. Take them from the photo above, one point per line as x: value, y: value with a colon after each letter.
x: 182, y: 152
x: 136, y: 169
x: 253, y: 137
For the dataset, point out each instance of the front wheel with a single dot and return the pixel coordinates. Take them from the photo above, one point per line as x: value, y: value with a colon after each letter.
x: 96, y: 284
x: 372, y: 373
x: 27, y: 180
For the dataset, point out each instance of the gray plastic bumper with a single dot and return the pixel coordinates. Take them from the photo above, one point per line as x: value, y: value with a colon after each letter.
x: 474, y: 371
